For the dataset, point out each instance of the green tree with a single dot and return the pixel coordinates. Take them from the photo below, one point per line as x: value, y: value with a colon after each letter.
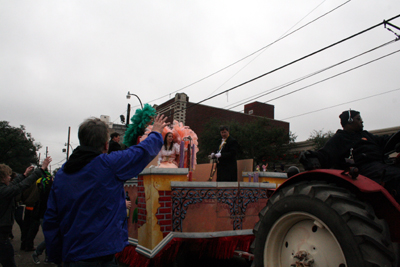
x: 319, y: 138
x: 17, y: 147
x: 257, y: 139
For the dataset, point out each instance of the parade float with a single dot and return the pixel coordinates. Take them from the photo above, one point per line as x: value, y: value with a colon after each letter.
x: 174, y: 215
x: 171, y: 214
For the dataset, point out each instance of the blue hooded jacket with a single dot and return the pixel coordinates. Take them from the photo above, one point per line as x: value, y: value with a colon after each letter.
x: 86, y: 210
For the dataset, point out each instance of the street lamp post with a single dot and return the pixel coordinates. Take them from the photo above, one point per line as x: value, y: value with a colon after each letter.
x: 128, y: 96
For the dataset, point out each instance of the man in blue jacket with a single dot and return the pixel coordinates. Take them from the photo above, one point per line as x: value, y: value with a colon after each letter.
x: 85, y: 221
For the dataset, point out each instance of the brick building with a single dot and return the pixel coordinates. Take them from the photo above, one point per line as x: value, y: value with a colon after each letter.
x: 196, y: 115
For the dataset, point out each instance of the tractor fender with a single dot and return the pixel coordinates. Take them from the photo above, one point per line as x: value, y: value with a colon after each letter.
x: 367, y: 190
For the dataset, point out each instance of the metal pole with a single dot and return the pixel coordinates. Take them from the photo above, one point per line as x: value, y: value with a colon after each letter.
x: 69, y: 132
x: 128, y: 113
x: 128, y: 96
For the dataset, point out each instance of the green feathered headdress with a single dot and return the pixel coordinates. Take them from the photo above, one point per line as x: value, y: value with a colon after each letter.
x: 139, y: 121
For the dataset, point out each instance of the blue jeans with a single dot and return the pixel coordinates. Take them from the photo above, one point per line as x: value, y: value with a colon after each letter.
x: 6, y: 253
x: 112, y: 263
x: 42, y: 246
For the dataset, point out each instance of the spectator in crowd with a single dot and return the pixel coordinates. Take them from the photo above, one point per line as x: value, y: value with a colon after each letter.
x: 85, y: 223
x: 30, y: 223
x: 43, y: 184
x: 8, y: 191
x: 19, y: 210
x: 114, y: 143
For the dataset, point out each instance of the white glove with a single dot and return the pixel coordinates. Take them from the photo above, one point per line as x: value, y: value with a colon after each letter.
x: 218, y: 155
x: 211, y: 156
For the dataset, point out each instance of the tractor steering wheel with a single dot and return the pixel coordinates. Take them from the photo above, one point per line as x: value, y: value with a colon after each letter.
x: 390, y: 147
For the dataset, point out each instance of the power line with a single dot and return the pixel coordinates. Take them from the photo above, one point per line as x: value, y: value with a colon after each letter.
x: 334, y: 76
x: 291, y: 63
x: 255, y: 52
x: 262, y: 50
x: 210, y: 75
x: 280, y: 87
x: 352, y: 101
x: 288, y: 64
x: 59, y: 163
x: 331, y: 77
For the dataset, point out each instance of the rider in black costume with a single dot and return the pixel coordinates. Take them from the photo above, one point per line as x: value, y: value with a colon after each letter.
x: 363, y: 147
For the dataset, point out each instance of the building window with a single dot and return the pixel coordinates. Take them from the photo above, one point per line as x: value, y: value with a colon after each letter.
x: 250, y: 112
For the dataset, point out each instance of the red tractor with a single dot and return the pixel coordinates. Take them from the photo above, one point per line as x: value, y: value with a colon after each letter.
x: 325, y: 218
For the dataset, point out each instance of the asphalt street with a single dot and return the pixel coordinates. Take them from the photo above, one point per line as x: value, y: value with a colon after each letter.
x: 24, y: 258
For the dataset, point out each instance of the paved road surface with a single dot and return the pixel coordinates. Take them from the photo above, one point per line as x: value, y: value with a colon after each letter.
x: 24, y: 259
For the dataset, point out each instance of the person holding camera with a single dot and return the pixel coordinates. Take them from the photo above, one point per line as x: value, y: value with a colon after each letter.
x: 8, y: 191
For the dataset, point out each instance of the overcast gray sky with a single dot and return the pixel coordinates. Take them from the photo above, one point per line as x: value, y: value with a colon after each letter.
x: 64, y: 61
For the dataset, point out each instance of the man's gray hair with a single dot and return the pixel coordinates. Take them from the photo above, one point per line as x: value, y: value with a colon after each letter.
x: 93, y: 133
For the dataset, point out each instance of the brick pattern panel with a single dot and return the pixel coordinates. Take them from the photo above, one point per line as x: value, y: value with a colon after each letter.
x: 164, y: 212
x: 141, y: 202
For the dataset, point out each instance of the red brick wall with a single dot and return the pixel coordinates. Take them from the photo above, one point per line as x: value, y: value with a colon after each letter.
x: 167, y: 103
x: 260, y: 109
x: 197, y: 115
x: 164, y: 212
x: 141, y: 202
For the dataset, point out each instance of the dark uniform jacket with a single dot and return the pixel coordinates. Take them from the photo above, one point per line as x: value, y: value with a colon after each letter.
x: 366, y: 148
x: 227, y: 165
x: 113, y: 146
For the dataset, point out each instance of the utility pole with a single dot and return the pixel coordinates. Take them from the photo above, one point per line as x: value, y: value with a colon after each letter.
x: 69, y: 132
x: 128, y: 113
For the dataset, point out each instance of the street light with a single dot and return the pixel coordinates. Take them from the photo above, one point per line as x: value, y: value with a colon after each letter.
x: 128, y: 111
x: 128, y: 96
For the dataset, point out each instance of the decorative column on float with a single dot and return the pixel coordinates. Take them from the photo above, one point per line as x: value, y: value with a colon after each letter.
x: 155, y: 204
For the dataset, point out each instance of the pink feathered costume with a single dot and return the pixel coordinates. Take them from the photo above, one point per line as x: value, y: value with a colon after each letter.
x: 171, y: 158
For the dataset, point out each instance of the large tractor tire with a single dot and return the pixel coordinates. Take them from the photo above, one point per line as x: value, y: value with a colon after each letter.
x: 321, y: 225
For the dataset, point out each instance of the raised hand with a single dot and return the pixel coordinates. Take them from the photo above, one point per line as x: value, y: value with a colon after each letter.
x: 46, y: 162
x: 159, y: 123
x: 28, y: 170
